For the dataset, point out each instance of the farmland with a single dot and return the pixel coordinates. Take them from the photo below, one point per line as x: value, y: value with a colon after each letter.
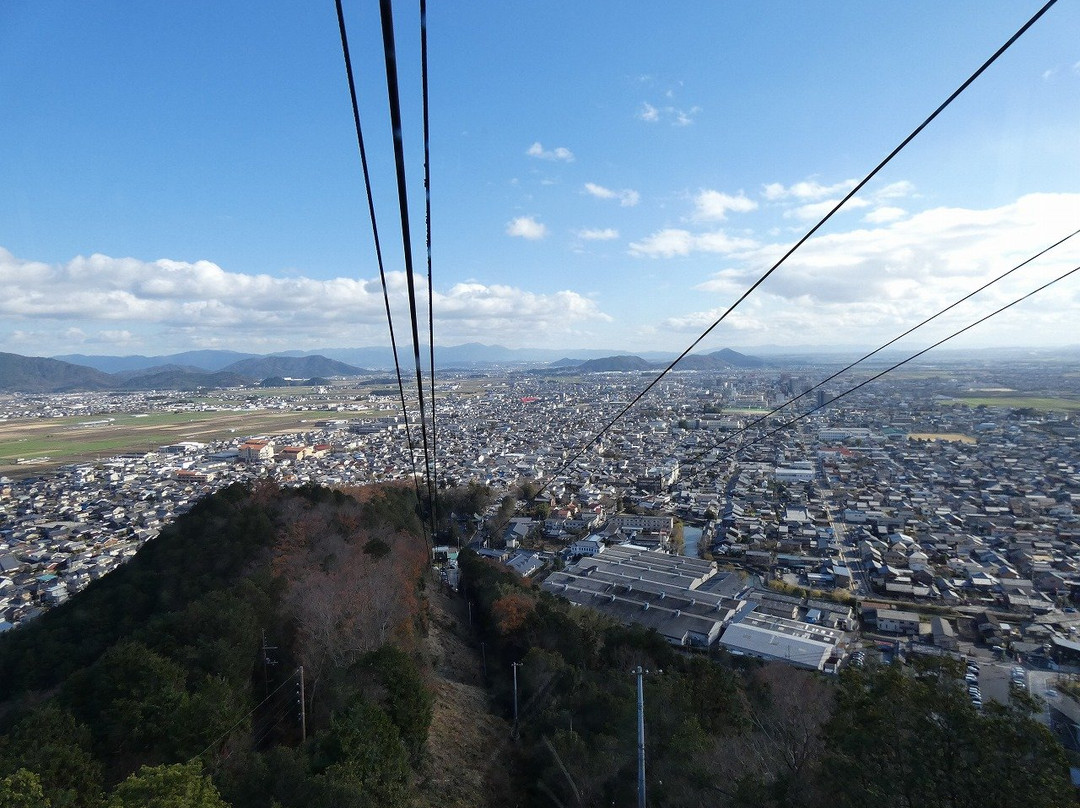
x: 48, y: 442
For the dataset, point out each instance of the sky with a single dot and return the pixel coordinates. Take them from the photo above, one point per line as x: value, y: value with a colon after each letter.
x: 185, y: 175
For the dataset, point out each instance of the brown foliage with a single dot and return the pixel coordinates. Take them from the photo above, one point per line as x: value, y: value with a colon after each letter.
x: 511, y: 611
x: 345, y: 602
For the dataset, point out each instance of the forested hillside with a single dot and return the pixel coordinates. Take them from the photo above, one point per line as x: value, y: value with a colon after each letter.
x: 153, y: 682
x: 176, y: 681
x: 736, y: 732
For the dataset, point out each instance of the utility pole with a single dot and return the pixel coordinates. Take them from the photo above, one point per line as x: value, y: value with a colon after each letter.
x: 514, y: 731
x: 303, y: 705
x: 483, y: 656
x: 640, y: 739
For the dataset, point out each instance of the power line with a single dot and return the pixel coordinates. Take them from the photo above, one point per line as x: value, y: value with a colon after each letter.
x: 378, y: 246
x: 894, y: 340
x: 876, y: 376
x: 251, y: 712
x: 888, y: 158
x: 393, y: 96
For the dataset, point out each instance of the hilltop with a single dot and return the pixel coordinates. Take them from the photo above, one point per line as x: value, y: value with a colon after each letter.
x: 26, y: 374
x: 724, y: 359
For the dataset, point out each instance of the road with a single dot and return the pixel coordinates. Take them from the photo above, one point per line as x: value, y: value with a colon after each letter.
x: 852, y: 561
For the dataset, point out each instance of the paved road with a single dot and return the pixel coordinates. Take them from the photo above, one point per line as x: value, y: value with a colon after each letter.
x: 852, y: 562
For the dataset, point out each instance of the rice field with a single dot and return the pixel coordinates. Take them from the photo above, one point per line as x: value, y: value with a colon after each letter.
x: 47, y: 442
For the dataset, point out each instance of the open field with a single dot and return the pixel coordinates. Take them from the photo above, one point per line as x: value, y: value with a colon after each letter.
x: 1020, y: 402
x: 63, y: 440
x: 949, y: 437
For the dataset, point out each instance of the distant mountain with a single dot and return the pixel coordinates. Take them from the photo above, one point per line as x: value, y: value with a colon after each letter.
x: 182, y: 380
x: 29, y: 374
x: 125, y: 375
x: 327, y: 362
x: 36, y: 374
x: 294, y: 367
x: 719, y: 360
x: 614, y: 363
x: 203, y: 360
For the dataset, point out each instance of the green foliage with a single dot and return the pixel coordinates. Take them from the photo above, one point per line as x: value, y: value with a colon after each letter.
x: 57, y: 749
x: 377, y: 548
x: 361, y: 760
x: 154, y: 664
x: 205, y: 550
x: 135, y: 702
x: 732, y: 732
x: 400, y: 690
x: 175, y: 786
x: 903, y: 740
x: 22, y: 790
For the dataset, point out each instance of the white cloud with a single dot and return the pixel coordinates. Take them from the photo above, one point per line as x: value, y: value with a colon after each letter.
x: 649, y: 113
x: 894, y: 190
x: 675, y: 116
x: 805, y: 190
x: 166, y: 305
x: 714, y: 205
x: 815, y: 210
x: 884, y: 214
x: 627, y: 197
x: 674, y: 242
x: 606, y: 234
x: 869, y: 284
x: 813, y: 200
x: 526, y: 227
x: 561, y: 153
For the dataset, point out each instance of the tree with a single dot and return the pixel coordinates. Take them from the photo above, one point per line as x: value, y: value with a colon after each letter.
x: 175, y: 786
x: 56, y: 748
x: 402, y: 695
x: 361, y: 759
x: 903, y: 740
x: 135, y: 702
x: 678, y: 541
x: 22, y: 790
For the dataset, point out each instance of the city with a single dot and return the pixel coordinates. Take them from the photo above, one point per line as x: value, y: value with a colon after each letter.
x: 902, y: 497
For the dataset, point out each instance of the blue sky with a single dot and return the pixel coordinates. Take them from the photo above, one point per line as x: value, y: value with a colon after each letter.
x: 609, y: 174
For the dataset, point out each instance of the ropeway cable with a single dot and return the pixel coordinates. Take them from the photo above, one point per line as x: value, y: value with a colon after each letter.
x: 878, y: 375
x: 427, y: 229
x: 378, y: 246
x: 888, y: 158
x: 878, y: 350
x: 393, y: 97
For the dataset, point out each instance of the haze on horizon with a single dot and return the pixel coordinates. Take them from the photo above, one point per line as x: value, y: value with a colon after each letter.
x: 187, y: 178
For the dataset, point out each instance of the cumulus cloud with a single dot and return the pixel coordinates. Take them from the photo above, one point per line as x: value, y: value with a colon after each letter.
x: 714, y: 205
x: 815, y: 210
x: 561, y: 153
x: 869, y: 283
x: 812, y: 200
x: 885, y: 213
x: 673, y: 242
x: 526, y: 227
x: 627, y: 197
x: 606, y: 234
x: 172, y: 305
x: 806, y: 190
